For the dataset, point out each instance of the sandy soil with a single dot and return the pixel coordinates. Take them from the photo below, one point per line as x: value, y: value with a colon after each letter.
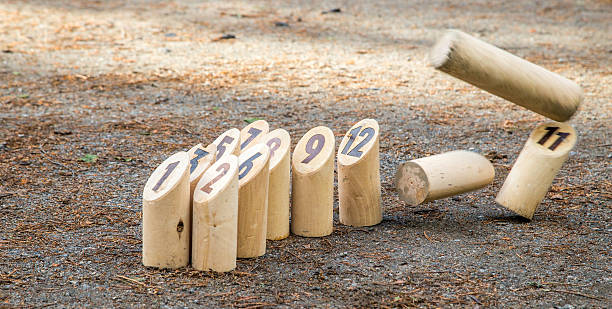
x: 132, y: 83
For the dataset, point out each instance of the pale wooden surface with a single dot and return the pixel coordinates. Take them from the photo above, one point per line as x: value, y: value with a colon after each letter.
x: 253, y: 201
x: 166, y: 219
x: 228, y: 143
x: 200, y: 158
x: 442, y: 175
x: 253, y: 134
x: 215, y: 217
x: 279, y: 143
x: 536, y: 167
x: 313, y: 184
x: 359, y: 175
x: 506, y: 75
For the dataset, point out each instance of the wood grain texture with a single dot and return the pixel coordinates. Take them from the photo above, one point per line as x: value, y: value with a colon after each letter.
x: 279, y: 143
x: 253, y: 134
x: 228, y: 143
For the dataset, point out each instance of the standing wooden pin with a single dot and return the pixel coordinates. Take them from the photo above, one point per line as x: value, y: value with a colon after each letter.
x: 312, y: 209
x: 279, y: 143
x: 228, y: 143
x: 166, y: 224
x: 535, y: 168
x: 200, y: 159
x: 442, y: 175
x: 253, y: 134
x: 359, y: 175
x: 253, y: 175
x: 215, y: 217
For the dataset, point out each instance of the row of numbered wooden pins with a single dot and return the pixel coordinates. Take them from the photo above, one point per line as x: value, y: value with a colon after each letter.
x: 211, y: 205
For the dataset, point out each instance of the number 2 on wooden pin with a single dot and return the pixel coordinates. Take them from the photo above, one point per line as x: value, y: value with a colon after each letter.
x: 356, y: 152
x: 557, y: 142
x: 222, y: 169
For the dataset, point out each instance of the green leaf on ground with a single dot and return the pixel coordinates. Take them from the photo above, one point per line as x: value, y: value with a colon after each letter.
x: 24, y: 96
x: 251, y: 120
x: 89, y: 158
x: 215, y: 108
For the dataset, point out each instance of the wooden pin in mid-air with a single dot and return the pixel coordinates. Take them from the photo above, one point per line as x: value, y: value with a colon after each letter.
x: 228, y: 143
x: 253, y: 175
x: 442, y: 175
x: 359, y: 175
x: 545, y: 151
x: 215, y: 217
x: 312, y: 206
x: 279, y: 143
x: 166, y: 215
x: 253, y: 134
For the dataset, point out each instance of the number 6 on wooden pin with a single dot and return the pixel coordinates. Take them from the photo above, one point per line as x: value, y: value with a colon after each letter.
x: 535, y: 168
x: 166, y: 216
x: 359, y: 175
x: 313, y: 184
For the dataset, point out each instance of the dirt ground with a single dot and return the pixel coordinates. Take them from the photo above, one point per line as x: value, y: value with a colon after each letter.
x: 95, y: 94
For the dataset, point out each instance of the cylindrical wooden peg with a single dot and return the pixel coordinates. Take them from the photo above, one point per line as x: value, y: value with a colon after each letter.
x: 253, y: 174
x: 312, y: 209
x: 443, y: 175
x: 166, y: 215
x: 215, y: 217
x: 228, y: 143
x: 359, y: 175
x: 279, y: 143
x: 253, y: 134
x: 506, y: 75
x: 200, y: 158
x: 535, y: 168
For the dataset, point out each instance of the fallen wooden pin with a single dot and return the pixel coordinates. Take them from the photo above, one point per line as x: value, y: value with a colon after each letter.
x: 312, y: 207
x: 545, y: 151
x: 253, y: 175
x: 166, y: 215
x: 279, y: 143
x: 215, y: 217
x: 443, y: 175
x: 253, y: 134
x: 359, y: 175
x: 506, y: 75
x: 228, y: 143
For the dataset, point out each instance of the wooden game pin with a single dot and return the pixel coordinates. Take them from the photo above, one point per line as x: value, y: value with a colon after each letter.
x: 253, y: 134
x: 228, y: 143
x: 200, y: 158
x: 535, y: 168
x: 506, y: 75
x: 166, y: 216
x: 313, y: 184
x: 279, y: 143
x: 215, y: 217
x: 442, y: 175
x: 359, y: 175
x: 253, y: 175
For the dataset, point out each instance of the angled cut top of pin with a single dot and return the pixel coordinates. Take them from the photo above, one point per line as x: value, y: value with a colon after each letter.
x: 253, y: 134
x: 227, y: 143
x: 200, y: 158
x: 216, y: 179
x: 553, y: 138
x: 358, y: 141
x: 166, y: 176
x: 313, y: 150
x: 251, y: 162
x: 278, y: 141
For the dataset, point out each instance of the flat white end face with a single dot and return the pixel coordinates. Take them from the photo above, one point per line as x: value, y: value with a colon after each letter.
x: 279, y: 142
x: 313, y: 150
x: 251, y: 162
x: 411, y: 183
x: 358, y: 141
x: 440, y: 52
x: 227, y: 143
x: 216, y: 179
x: 253, y: 134
x: 553, y: 138
x: 166, y: 176
x: 200, y: 158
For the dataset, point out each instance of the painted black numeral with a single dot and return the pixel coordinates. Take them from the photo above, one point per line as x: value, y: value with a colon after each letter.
x: 273, y: 144
x: 169, y: 169
x: 222, y: 169
x: 313, y: 150
x: 356, y: 152
x: 253, y: 134
x: 200, y: 153
x: 247, y: 165
x: 221, y: 147
x: 551, y: 131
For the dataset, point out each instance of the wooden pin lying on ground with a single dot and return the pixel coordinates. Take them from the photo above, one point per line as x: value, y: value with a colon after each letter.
x: 359, y: 175
x: 443, y: 175
x: 313, y: 184
x: 545, y: 151
x: 253, y: 201
x: 253, y: 134
x: 215, y: 217
x: 279, y: 143
x: 228, y: 143
x: 508, y: 76
x: 166, y: 215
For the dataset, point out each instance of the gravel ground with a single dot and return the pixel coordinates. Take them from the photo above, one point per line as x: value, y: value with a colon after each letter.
x: 133, y: 82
